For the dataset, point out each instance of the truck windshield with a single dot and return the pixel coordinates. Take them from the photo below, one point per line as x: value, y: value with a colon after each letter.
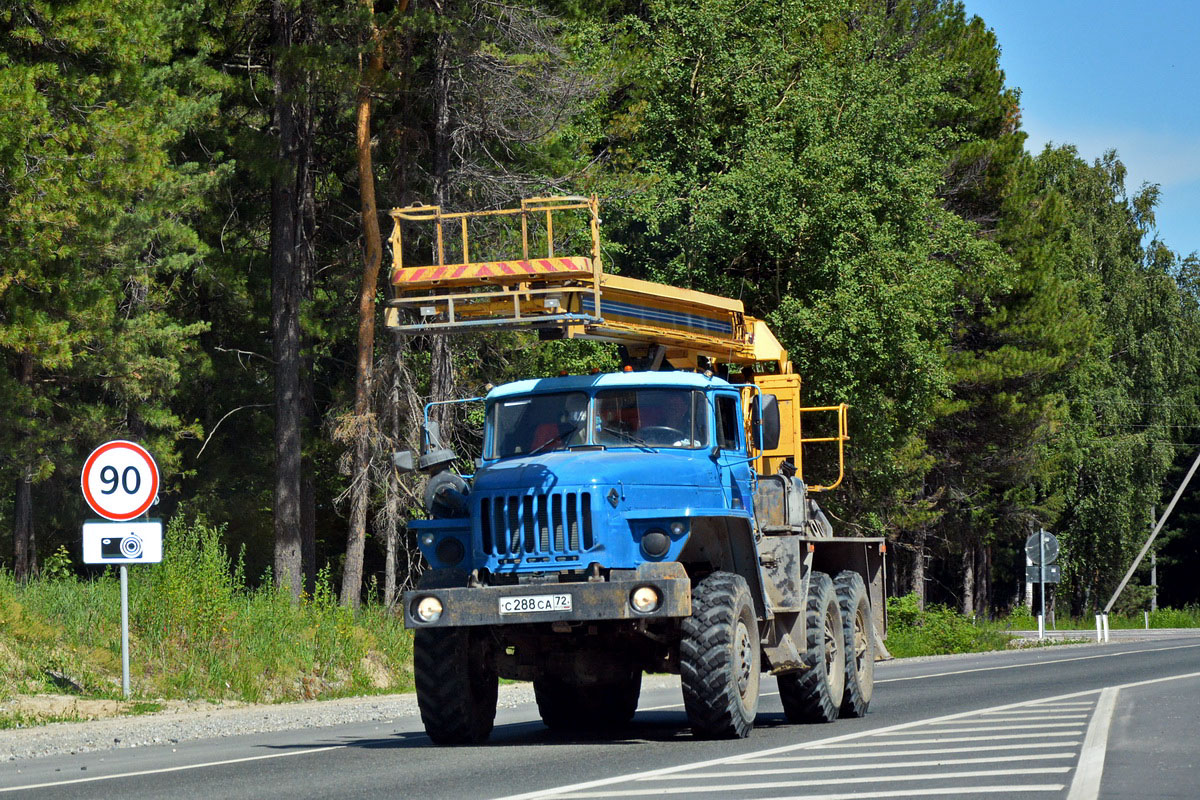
x: 538, y: 422
x: 654, y: 417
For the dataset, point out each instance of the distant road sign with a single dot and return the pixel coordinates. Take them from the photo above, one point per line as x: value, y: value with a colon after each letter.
x: 1033, y: 573
x: 122, y: 542
x: 1042, y: 543
x: 120, y: 480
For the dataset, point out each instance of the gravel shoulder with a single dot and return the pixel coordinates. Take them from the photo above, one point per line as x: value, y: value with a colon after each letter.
x: 180, y: 722
x: 199, y: 720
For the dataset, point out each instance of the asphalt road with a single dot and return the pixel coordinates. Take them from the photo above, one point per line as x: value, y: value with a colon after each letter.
x: 1116, y: 720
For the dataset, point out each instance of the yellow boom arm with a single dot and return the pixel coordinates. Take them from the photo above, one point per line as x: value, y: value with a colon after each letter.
x: 570, y: 296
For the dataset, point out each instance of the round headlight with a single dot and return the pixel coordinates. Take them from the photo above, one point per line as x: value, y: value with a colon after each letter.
x: 427, y: 539
x: 655, y: 543
x: 678, y: 528
x: 645, y: 599
x: 429, y: 609
x: 450, y: 551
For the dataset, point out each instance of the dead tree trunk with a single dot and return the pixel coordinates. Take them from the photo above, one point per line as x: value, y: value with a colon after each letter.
x: 360, y: 491
x: 918, y: 568
x: 968, y: 579
x: 24, y: 543
x: 441, y: 379
x: 291, y: 251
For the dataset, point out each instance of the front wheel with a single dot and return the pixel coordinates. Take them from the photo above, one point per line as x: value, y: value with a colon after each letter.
x: 814, y: 694
x: 457, y: 683
x: 719, y: 659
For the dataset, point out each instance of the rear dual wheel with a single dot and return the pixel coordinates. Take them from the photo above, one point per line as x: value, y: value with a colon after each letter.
x: 839, y: 676
x: 814, y: 694
x: 858, y: 635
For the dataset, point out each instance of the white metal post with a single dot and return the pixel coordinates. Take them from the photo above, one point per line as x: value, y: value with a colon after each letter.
x: 1042, y: 575
x: 1099, y: 629
x: 125, y: 629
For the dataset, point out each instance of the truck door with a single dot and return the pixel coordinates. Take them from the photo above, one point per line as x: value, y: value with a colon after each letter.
x: 732, y: 456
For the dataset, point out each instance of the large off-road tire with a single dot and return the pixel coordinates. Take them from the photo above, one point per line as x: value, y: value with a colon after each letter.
x: 719, y: 659
x: 858, y: 636
x: 579, y: 709
x: 814, y: 694
x: 455, y: 673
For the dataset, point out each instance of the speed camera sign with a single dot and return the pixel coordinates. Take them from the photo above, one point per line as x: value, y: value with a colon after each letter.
x: 120, y: 480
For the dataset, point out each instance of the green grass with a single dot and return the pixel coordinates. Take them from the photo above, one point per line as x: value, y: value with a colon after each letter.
x: 1188, y: 617
x: 18, y: 719
x: 938, y: 630
x: 197, y: 631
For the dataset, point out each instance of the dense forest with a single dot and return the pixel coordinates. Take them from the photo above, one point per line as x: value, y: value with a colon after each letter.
x: 190, y: 257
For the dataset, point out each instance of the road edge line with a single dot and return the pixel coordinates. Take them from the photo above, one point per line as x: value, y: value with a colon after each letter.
x: 1085, y: 785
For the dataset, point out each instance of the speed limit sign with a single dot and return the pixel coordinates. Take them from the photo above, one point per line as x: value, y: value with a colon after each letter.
x: 120, y: 480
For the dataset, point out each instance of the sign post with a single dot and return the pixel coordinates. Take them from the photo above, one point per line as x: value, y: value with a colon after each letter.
x: 120, y: 483
x: 1041, y: 548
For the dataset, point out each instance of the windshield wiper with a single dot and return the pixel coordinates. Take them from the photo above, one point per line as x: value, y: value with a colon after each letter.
x: 560, y: 437
x: 629, y: 437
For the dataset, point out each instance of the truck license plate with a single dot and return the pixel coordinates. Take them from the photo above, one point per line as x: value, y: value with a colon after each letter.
x: 531, y: 603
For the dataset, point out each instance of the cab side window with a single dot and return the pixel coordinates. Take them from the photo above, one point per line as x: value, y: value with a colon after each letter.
x: 729, y: 422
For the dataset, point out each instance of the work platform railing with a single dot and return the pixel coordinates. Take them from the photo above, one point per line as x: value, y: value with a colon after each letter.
x: 540, y: 288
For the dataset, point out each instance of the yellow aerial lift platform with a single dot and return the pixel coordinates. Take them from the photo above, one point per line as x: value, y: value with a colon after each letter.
x: 571, y: 296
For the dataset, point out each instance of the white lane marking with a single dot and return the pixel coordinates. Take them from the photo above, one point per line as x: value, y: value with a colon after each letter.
x: 738, y: 787
x: 940, y: 762
x: 969, y: 728
x: 1006, y: 717
x: 927, y: 751
x: 1037, y: 663
x: 1086, y: 784
x: 939, y: 739
x: 957, y: 791
x: 165, y: 770
x: 822, y: 743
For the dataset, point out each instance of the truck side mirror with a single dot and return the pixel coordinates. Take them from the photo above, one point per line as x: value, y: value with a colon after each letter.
x: 770, y: 422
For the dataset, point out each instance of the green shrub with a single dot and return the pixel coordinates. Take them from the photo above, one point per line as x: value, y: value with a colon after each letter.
x: 936, y: 630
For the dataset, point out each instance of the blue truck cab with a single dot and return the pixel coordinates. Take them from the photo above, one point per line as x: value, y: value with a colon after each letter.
x: 594, y: 473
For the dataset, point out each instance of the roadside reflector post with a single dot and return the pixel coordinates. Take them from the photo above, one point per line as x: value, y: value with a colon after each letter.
x: 1099, y: 629
x: 1042, y: 624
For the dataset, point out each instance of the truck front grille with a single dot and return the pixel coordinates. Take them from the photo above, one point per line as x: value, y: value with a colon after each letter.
x: 555, y: 526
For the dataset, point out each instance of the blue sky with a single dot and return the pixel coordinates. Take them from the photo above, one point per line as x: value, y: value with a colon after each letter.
x: 1112, y: 74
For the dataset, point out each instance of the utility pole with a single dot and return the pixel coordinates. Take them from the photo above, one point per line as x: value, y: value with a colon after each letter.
x: 1154, y: 533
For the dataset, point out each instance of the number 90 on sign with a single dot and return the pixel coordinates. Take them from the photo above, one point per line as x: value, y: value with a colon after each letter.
x: 120, y: 480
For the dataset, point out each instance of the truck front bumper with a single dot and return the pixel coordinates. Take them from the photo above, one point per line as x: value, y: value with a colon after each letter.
x: 611, y: 599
